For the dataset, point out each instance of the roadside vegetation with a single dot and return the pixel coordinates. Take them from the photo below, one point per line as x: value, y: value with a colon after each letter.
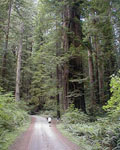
x: 95, y: 132
x: 103, y: 134
x: 13, y: 119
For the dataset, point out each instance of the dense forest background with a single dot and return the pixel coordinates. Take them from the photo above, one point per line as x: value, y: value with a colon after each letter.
x: 62, y: 57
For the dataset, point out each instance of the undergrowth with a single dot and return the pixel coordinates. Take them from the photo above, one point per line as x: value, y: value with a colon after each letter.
x: 12, y: 117
x: 102, y: 134
x: 48, y: 113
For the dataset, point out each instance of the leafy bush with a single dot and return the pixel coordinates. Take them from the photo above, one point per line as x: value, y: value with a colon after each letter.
x: 101, y: 134
x: 113, y: 105
x: 48, y: 113
x: 115, y: 139
x: 74, y: 116
x: 12, y: 115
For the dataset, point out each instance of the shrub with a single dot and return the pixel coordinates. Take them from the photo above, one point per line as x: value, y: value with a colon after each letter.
x: 48, y: 113
x: 113, y: 105
x: 102, y: 134
x: 12, y: 115
x: 74, y: 116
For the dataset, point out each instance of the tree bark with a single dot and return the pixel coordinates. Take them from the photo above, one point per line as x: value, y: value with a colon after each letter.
x: 65, y: 86
x: 17, y: 91
x: 65, y: 70
x: 92, y: 79
x: 4, y: 60
x: 76, y: 63
x: 101, y: 81
x: 58, y: 93
x: 58, y: 74
x: 96, y: 73
x: 71, y: 25
x: 99, y: 73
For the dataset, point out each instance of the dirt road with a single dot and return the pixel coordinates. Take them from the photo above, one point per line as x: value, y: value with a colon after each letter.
x: 40, y: 136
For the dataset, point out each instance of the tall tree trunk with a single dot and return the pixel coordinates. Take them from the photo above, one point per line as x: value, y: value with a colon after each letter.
x: 58, y: 93
x: 92, y: 79
x: 58, y: 74
x: 4, y: 60
x: 70, y: 25
x: 101, y: 81
x: 76, y: 63
x: 65, y: 86
x: 99, y: 72
x: 65, y: 71
x: 96, y: 73
x: 76, y: 71
x: 17, y: 91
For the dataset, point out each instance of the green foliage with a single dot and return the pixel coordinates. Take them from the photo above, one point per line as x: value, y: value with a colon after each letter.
x: 99, y: 37
x: 50, y: 105
x: 100, y: 135
x: 49, y: 113
x: 43, y: 84
x: 113, y: 105
x: 3, y: 14
x: 12, y: 115
x: 74, y: 116
x: 22, y: 11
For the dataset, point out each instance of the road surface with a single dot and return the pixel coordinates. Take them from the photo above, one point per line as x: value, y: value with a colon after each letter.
x: 40, y: 136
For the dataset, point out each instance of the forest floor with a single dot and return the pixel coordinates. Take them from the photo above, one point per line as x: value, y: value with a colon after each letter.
x: 41, y: 136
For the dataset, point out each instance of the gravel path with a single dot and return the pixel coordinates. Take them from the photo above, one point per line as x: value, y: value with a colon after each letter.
x: 40, y: 136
